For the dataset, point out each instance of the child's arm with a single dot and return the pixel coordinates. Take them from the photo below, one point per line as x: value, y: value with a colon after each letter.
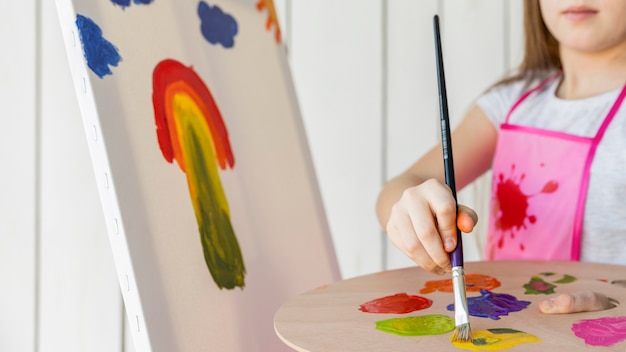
x: 417, y: 209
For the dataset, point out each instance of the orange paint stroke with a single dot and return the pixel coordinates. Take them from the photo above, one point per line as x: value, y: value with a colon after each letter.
x: 473, y: 283
x: 272, y: 17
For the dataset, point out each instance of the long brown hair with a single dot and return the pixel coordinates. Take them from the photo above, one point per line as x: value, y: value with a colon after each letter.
x: 541, y: 49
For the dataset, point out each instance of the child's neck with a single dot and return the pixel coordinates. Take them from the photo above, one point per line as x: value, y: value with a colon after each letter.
x: 590, y: 74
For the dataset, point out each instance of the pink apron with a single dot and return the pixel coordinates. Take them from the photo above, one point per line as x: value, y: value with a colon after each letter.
x: 539, y: 186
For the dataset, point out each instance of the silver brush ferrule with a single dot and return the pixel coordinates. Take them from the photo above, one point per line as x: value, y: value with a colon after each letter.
x: 461, y: 312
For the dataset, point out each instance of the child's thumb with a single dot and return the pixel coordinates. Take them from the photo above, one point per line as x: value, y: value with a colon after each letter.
x: 466, y: 218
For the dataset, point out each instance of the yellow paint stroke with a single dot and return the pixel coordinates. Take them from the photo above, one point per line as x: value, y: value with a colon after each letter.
x: 496, y: 340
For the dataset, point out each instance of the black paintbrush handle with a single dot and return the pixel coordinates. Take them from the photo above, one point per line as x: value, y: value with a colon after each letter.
x: 456, y: 257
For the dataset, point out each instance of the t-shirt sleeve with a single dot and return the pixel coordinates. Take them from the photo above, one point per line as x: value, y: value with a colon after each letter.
x: 497, y: 101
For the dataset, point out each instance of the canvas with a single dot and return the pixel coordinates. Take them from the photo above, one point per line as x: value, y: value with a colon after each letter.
x: 204, y: 171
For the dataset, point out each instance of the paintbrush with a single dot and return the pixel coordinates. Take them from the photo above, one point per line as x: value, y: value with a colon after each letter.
x: 463, y: 331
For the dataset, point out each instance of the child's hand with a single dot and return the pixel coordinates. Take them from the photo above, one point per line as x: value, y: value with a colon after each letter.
x: 422, y: 225
x: 586, y: 301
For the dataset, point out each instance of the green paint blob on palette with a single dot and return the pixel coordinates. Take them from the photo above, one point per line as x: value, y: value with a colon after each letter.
x: 434, y: 324
x: 537, y: 285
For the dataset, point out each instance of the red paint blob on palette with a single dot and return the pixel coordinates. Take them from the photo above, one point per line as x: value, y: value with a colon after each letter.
x: 399, y: 303
x: 473, y: 283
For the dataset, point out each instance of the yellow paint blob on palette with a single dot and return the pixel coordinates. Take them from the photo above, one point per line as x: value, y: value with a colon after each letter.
x: 496, y: 340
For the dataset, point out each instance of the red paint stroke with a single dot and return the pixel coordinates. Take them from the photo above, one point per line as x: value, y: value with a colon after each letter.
x: 272, y: 17
x: 473, y: 283
x: 601, y: 332
x: 171, y: 73
x: 512, y: 204
x: 399, y: 303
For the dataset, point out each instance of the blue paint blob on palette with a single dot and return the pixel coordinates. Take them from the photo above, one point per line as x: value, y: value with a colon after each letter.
x: 493, y: 305
x: 99, y: 52
x: 217, y: 27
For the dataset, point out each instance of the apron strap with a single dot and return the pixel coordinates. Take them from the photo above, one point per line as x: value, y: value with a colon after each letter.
x: 610, y: 115
x: 529, y: 92
x: 582, y: 195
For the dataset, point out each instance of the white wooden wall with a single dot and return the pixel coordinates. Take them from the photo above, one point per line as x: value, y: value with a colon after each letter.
x: 365, y: 77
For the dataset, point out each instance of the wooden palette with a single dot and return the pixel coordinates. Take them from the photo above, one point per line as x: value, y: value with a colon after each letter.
x: 328, y: 318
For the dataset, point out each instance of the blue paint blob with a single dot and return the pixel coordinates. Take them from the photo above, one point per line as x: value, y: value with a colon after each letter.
x: 126, y: 3
x: 99, y: 52
x: 122, y: 3
x: 217, y: 27
x: 493, y: 305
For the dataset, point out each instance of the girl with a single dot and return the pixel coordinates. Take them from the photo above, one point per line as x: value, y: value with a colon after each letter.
x: 554, y: 135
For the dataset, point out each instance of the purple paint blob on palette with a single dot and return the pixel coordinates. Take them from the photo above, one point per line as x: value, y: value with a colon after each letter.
x: 493, y: 305
x: 601, y: 332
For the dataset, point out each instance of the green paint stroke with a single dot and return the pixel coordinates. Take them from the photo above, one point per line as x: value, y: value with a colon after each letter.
x: 537, y: 286
x: 566, y: 279
x: 434, y: 324
x: 219, y: 243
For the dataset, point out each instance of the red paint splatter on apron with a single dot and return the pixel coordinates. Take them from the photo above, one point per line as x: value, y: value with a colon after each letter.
x: 512, y: 211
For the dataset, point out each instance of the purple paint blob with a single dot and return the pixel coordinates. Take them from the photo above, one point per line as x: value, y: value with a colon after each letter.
x: 601, y: 332
x: 492, y: 305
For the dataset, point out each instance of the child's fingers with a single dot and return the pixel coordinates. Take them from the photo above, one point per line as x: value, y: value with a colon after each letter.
x: 427, y: 249
x: 443, y: 208
x: 586, y: 301
x: 435, y: 258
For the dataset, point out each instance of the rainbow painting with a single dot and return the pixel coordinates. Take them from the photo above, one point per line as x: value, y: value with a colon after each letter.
x: 191, y: 131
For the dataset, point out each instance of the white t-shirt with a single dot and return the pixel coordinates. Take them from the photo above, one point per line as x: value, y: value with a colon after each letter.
x: 604, y: 223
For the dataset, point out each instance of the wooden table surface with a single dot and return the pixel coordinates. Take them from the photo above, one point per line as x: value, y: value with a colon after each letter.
x: 328, y: 318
